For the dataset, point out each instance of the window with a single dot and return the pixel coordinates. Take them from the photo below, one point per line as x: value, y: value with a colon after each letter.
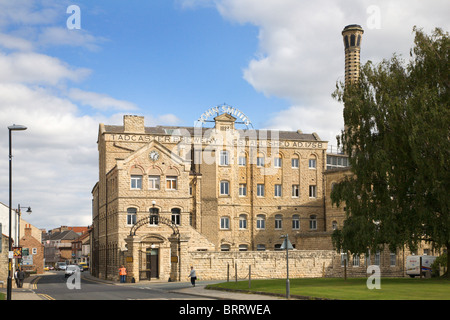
x: 225, y: 247
x: 242, y: 221
x: 277, y: 162
x: 243, y: 247
x: 154, y: 214
x: 260, y: 190
x: 242, y: 161
x: 312, y: 163
x: 294, y: 163
x: 344, y: 259
x: 313, y: 222
x: 260, y: 222
x: 131, y: 216
x: 393, y: 259
x: 377, y: 259
x: 277, y: 247
x: 154, y: 182
x: 136, y: 182
x: 312, y: 191
x: 260, y: 161
x: 278, y: 190
x: 356, y: 260
x: 224, y: 188
x: 171, y: 183
x: 224, y: 158
x: 176, y: 216
x: 334, y: 225
x: 224, y: 223
x: 260, y: 247
x: 278, y: 221
x: 295, y: 191
x: 296, y: 222
x: 242, y: 190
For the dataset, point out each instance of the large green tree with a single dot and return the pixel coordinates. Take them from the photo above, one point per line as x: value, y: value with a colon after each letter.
x: 397, y: 137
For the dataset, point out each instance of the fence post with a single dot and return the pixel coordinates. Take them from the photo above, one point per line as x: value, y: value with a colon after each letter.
x: 345, y: 269
x: 228, y: 272
x: 235, y: 271
x: 249, y: 276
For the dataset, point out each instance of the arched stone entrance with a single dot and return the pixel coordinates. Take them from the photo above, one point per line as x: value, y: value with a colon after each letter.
x: 151, y: 255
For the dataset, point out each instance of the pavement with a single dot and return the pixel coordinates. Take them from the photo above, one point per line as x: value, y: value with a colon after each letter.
x: 27, y: 291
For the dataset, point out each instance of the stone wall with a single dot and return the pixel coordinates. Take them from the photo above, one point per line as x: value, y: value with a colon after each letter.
x: 267, y: 264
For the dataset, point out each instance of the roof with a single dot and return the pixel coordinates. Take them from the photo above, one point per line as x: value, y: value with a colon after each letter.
x: 65, y: 235
x: 264, y: 134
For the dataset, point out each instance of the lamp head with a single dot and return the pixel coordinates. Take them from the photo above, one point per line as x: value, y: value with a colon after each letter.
x: 17, y: 127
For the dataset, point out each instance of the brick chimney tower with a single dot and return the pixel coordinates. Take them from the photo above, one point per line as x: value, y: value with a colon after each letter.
x: 352, y: 36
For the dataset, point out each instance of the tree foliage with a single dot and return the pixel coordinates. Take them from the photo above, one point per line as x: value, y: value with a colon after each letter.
x: 397, y: 136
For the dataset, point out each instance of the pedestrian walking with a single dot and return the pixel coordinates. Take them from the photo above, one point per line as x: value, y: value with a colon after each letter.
x: 16, y: 277
x: 123, y: 274
x: 21, y: 276
x: 193, y: 276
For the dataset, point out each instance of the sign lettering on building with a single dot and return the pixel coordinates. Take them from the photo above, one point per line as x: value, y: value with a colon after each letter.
x: 211, y: 141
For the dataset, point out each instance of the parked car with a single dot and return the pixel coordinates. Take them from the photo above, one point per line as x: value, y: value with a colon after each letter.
x: 71, y: 269
x: 61, y: 266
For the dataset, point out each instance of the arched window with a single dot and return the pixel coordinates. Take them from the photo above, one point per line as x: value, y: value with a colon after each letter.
x: 131, y: 216
x: 352, y: 40
x: 277, y: 161
x: 243, y: 221
x: 225, y: 247
x: 296, y: 222
x: 154, y: 215
x: 176, y: 216
x: 313, y: 222
x: 278, y: 221
x: 136, y: 178
x: 243, y: 247
x: 334, y: 225
x: 260, y: 222
x: 295, y: 162
x: 312, y: 162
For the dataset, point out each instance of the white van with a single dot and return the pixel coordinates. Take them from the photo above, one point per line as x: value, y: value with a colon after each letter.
x: 413, y: 265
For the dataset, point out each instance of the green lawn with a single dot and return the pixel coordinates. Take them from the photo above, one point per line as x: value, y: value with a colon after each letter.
x: 351, y: 289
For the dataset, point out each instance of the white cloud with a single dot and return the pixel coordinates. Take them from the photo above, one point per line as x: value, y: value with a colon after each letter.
x: 36, y: 68
x: 11, y: 42
x: 62, y: 36
x: 100, y: 101
x: 301, y: 55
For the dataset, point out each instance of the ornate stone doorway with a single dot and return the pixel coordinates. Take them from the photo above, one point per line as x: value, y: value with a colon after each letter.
x: 151, y: 255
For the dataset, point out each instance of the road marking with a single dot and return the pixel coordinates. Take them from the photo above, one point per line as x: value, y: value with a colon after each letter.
x: 46, y: 296
x: 34, y: 283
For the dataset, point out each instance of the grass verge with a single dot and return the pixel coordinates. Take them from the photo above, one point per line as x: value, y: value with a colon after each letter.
x: 350, y: 289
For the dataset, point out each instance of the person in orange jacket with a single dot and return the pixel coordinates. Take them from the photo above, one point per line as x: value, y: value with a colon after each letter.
x: 122, y: 274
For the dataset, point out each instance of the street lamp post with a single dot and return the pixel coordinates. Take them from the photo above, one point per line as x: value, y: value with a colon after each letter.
x: 288, y: 246
x: 9, y: 282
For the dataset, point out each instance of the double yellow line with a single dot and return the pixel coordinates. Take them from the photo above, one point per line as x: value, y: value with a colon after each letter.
x: 46, y: 296
x: 33, y: 286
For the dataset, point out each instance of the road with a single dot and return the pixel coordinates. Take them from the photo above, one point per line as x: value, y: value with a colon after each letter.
x: 54, y: 286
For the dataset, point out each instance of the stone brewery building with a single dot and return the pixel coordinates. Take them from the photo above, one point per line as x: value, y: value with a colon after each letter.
x: 219, y: 196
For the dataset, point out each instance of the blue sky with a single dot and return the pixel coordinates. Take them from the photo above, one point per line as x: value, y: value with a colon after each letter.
x: 170, y: 60
x: 164, y: 57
